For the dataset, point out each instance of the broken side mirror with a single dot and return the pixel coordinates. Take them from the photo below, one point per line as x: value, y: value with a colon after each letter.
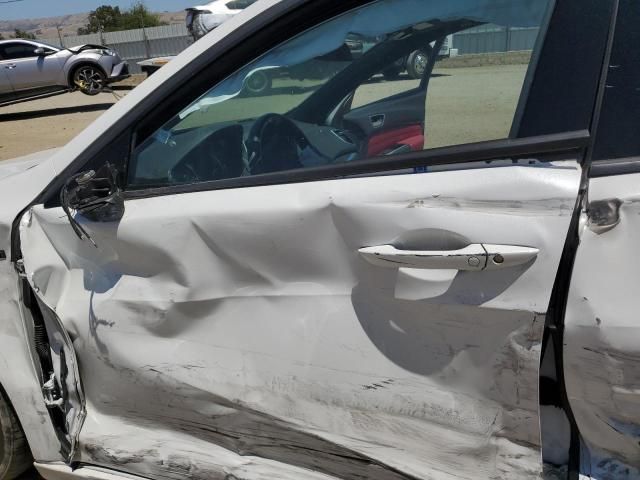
x: 94, y: 195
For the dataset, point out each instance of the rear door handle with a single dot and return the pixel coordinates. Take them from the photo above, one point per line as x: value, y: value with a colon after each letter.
x: 474, y: 257
x: 10, y: 67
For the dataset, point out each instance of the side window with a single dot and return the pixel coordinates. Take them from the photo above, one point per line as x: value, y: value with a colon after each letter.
x: 617, y: 134
x: 14, y: 51
x: 391, y: 77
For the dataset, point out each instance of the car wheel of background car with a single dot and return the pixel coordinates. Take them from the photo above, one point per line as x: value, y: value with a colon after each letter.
x: 258, y: 83
x: 417, y: 63
x: 15, y: 456
x: 89, y: 79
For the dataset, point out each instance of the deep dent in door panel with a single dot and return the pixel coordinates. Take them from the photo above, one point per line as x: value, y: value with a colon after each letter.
x: 201, y: 352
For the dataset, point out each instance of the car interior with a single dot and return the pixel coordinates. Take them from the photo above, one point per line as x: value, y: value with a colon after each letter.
x: 324, y: 128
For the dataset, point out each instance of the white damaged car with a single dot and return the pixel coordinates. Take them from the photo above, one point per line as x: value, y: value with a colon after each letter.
x: 343, y: 278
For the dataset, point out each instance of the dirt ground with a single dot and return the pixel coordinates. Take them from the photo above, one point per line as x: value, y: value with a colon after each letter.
x: 37, y: 125
x: 464, y: 104
x: 47, y: 123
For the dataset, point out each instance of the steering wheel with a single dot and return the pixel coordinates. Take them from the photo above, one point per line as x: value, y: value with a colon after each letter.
x: 273, y: 144
x: 219, y: 155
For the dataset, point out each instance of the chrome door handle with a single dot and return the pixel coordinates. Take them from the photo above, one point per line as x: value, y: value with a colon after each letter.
x: 10, y: 67
x: 474, y: 257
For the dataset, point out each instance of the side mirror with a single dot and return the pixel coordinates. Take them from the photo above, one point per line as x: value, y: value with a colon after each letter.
x: 94, y: 195
x: 41, y: 52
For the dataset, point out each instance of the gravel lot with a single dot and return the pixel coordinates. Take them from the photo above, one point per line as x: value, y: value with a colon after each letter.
x: 464, y: 104
x: 47, y: 123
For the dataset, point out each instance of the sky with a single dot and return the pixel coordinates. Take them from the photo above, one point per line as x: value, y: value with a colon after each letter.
x: 53, y: 8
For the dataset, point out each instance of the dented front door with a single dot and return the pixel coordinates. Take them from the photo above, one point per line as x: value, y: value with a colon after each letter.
x: 241, y: 332
x: 52, y: 347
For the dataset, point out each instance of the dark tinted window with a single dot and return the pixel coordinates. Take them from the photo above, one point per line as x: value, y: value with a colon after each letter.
x: 11, y: 51
x: 618, y: 134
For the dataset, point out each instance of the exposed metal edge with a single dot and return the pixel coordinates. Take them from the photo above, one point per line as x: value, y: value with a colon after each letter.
x: 60, y: 471
x: 473, y: 152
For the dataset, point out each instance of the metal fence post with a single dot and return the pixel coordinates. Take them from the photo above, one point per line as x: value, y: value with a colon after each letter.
x: 507, y: 38
x: 147, y: 46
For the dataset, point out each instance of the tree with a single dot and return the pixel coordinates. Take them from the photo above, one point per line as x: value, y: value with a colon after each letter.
x: 23, y: 34
x: 104, y: 18
x: 139, y: 16
x: 110, y: 19
x: 1, y: 37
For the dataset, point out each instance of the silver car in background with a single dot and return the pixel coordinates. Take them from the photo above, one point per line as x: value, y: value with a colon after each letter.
x: 31, y: 69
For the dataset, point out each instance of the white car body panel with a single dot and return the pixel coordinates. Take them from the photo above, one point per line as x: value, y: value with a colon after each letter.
x: 21, y: 164
x: 602, y: 356
x: 238, y: 334
x: 259, y: 316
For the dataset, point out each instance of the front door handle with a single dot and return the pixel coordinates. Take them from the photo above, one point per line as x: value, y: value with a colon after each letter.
x: 10, y: 67
x: 474, y: 257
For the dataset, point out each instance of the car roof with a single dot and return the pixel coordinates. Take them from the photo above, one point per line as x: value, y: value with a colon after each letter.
x: 20, y: 40
x: 12, y: 40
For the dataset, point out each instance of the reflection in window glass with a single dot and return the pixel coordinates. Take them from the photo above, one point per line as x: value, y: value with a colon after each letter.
x: 388, y: 78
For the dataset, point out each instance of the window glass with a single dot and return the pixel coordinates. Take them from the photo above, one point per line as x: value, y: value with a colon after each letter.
x: 392, y: 77
x: 617, y: 135
x: 13, y: 51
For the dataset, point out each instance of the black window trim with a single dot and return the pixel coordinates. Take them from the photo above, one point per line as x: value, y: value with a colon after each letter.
x: 617, y: 166
x: 513, y: 149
